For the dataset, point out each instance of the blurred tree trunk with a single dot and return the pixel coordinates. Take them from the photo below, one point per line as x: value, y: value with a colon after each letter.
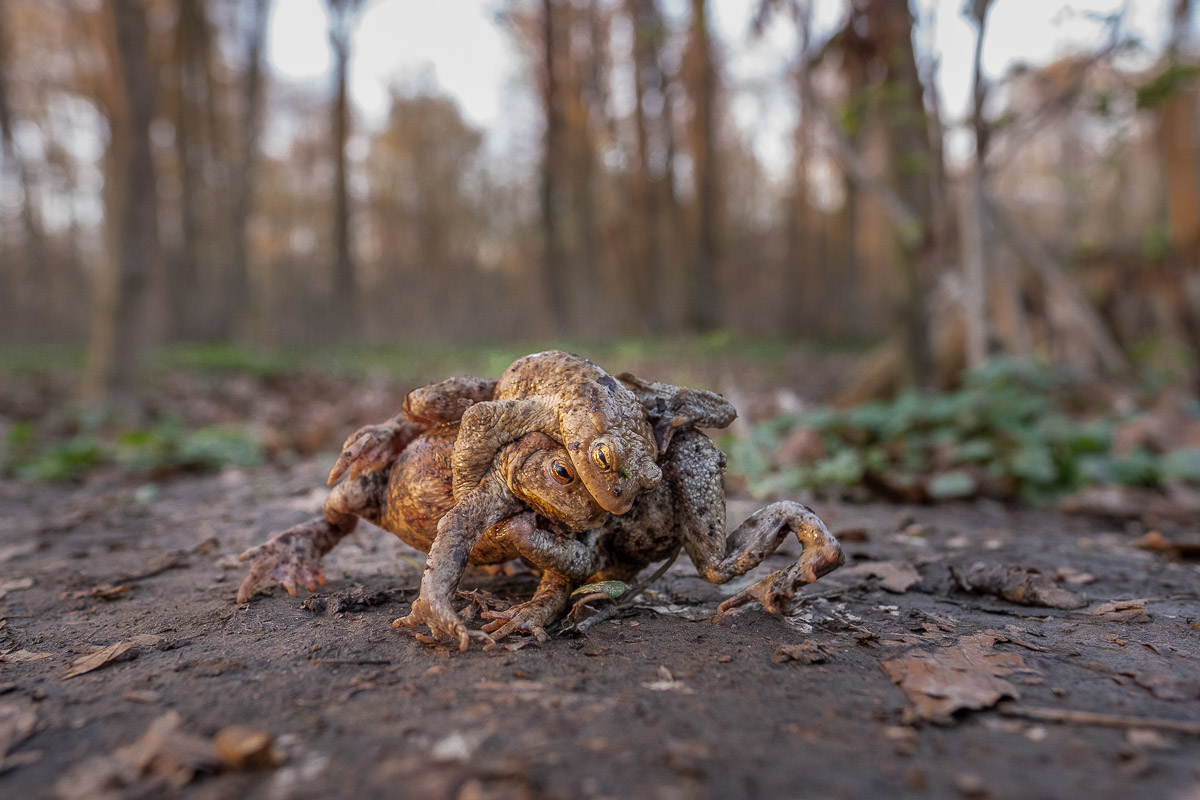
x: 585, y: 101
x: 235, y: 309
x: 1179, y: 125
x: 120, y: 316
x: 342, y: 16
x: 889, y: 29
x: 703, y: 312
x: 189, y: 75
x: 798, y: 309
x: 30, y: 219
x: 974, y: 234
x: 552, y: 190
x: 646, y: 223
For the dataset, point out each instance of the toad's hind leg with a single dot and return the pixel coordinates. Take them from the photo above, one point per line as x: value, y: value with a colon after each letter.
x: 445, y: 401
x: 694, y: 466
x: 533, y: 615
x: 293, y: 557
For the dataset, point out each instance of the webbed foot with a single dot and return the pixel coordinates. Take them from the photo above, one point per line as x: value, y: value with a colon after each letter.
x: 534, y: 615
x: 777, y: 591
x: 443, y: 623
x: 290, y: 558
x: 528, y: 617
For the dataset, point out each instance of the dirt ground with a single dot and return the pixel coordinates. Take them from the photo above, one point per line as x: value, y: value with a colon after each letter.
x: 866, y: 691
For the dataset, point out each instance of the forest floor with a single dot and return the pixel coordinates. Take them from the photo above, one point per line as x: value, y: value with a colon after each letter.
x: 867, y: 690
x: 125, y: 661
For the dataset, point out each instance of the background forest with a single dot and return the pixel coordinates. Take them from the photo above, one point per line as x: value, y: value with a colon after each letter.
x: 161, y: 184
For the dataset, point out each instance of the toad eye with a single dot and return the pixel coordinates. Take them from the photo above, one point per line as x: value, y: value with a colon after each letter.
x: 562, y: 473
x: 602, y: 456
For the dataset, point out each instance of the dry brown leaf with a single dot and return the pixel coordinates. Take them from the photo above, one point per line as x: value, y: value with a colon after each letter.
x: 1073, y: 576
x: 1021, y: 585
x: 13, y: 584
x: 17, y: 721
x: 98, y: 659
x: 23, y: 657
x: 1121, y: 611
x: 807, y: 653
x: 895, y: 576
x: 146, y: 639
x: 240, y: 747
x: 163, y: 761
x: 1167, y: 687
x: 1177, y: 549
x: 970, y: 674
x: 11, y: 551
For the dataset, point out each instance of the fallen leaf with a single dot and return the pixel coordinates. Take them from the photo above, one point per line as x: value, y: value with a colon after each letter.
x: 666, y: 683
x: 146, y: 639
x: 11, y: 551
x: 1177, y: 549
x: 1167, y: 687
x: 895, y: 576
x: 13, y: 585
x: 809, y: 652
x: 23, y: 657
x: 1121, y: 611
x: 240, y: 747
x: 1021, y: 585
x: 1142, y: 739
x: 98, y: 659
x: 105, y: 591
x: 1073, y: 576
x: 970, y: 674
x: 160, y: 763
x: 17, y: 721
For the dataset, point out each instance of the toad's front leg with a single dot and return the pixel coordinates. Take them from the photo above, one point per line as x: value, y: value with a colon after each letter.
x: 293, y: 557
x: 534, y: 615
x: 694, y: 467
x: 763, y: 530
x: 458, y: 533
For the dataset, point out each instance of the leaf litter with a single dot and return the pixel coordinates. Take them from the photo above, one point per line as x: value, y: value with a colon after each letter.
x: 968, y: 675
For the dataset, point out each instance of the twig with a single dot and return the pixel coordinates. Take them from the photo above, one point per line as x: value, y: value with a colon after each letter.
x: 1098, y: 719
x: 353, y: 662
x: 173, y: 561
x: 608, y: 612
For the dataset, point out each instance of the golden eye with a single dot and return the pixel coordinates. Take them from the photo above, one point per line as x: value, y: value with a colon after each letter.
x: 602, y: 456
x: 562, y: 473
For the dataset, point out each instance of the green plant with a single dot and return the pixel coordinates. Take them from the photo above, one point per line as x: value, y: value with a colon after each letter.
x: 1011, y: 429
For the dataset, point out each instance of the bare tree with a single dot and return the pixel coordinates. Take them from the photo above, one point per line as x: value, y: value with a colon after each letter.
x: 119, y: 321
x: 975, y: 263
x: 702, y: 288
x: 552, y: 168
x: 244, y: 178
x: 343, y: 15
x: 34, y: 236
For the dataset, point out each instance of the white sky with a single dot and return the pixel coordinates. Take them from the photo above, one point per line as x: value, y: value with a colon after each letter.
x: 458, y: 44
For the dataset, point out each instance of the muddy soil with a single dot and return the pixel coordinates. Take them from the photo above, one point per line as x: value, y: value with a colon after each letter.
x: 659, y: 703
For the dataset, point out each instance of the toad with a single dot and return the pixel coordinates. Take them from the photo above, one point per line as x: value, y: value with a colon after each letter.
x: 598, y: 420
x: 686, y: 509
x: 535, y: 497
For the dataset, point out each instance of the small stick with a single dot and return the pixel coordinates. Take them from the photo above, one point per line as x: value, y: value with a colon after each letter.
x: 608, y: 612
x: 1099, y: 719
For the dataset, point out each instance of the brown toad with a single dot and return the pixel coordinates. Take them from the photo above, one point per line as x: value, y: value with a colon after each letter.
x: 599, y: 421
x: 408, y: 498
x: 686, y: 509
